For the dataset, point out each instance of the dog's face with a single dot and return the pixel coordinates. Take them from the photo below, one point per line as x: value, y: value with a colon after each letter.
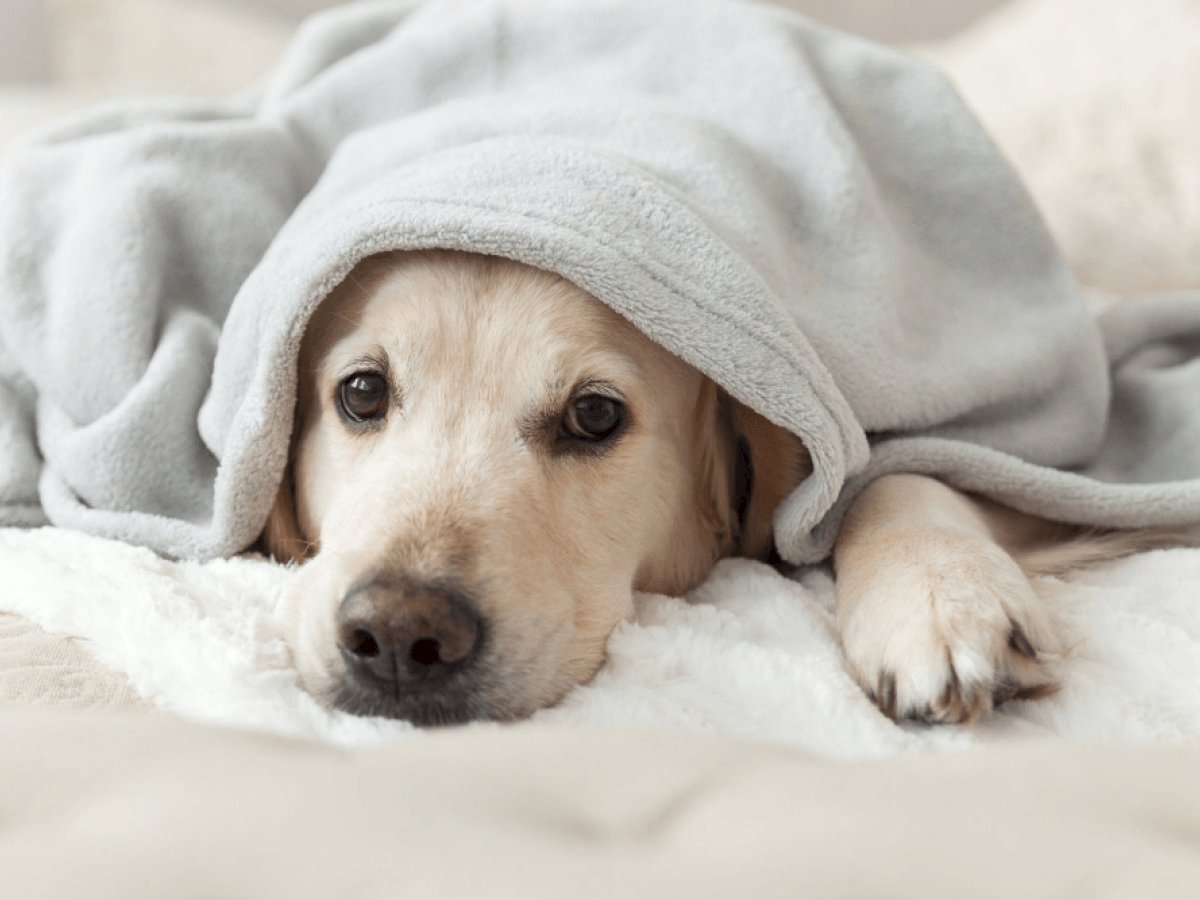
x: 487, y: 463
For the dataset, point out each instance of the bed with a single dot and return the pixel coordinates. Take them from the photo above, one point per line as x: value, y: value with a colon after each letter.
x: 155, y: 740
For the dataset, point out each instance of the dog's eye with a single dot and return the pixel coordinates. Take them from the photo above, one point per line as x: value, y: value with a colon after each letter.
x: 593, y: 418
x: 363, y: 396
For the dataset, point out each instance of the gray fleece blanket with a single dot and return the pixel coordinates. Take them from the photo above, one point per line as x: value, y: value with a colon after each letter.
x: 814, y: 221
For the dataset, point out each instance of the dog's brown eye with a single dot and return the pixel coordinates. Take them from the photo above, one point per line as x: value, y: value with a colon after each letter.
x: 363, y: 396
x: 593, y: 418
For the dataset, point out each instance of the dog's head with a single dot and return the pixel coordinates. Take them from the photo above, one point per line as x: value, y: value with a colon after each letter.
x: 486, y: 463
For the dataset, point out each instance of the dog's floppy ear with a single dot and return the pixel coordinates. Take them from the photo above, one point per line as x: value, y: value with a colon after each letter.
x: 716, y: 453
x: 745, y: 466
x: 767, y: 462
x: 281, y: 535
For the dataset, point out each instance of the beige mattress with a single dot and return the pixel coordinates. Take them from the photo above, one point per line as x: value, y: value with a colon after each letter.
x: 129, y: 808
x: 49, y: 671
x: 100, y: 800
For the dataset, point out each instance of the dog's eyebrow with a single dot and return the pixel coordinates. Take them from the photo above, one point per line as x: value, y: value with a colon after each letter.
x: 540, y: 425
x: 598, y: 386
x: 375, y: 360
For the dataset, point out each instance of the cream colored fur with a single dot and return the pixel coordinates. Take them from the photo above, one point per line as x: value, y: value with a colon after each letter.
x: 455, y: 485
x: 938, y: 618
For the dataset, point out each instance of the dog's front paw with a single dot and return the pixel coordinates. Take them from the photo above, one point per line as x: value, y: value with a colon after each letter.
x: 945, y: 627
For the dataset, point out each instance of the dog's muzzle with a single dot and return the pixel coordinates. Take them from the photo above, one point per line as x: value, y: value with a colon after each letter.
x: 410, y: 651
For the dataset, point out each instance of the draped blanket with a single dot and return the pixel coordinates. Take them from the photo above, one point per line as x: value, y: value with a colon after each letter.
x: 814, y: 221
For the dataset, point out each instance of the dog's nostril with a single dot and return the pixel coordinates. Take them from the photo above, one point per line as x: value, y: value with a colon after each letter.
x: 363, y: 643
x: 425, y: 652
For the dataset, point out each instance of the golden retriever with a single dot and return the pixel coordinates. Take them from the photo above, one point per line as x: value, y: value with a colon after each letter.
x: 487, y: 462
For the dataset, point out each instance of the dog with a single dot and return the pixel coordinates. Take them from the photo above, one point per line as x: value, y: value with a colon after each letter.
x: 487, y: 462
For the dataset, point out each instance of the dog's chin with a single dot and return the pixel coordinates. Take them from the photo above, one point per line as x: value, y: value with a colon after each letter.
x: 424, y: 710
x: 447, y: 705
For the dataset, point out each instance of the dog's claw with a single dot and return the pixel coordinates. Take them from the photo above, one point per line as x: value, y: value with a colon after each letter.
x: 1019, y: 642
x: 887, y: 695
x: 957, y: 703
x: 1005, y: 692
x: 964, y: 702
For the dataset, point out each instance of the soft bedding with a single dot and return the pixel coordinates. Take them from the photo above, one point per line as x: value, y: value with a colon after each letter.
x: 753, y: 654
x: 1091, y: 98
x: 40, y: 669
x: 563, y: 810
x: 109, y: 807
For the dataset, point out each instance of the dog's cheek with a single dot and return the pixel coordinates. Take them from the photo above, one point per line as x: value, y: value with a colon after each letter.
x: 305, y: 618
x: 604, y: 612
x: 554, y: 601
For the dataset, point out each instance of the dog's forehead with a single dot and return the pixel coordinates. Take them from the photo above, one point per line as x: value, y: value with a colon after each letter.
x: 454, y: 314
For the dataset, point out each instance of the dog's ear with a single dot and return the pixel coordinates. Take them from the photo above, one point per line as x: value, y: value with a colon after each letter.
x: 281, y: 536
x: 767, y: 463
x: 746, y: 465
x: 716, y: 489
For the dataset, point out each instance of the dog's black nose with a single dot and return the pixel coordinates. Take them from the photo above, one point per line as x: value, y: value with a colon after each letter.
x: 397, y: 635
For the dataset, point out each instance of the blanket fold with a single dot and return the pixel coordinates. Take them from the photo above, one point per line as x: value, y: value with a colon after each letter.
x: 814, y: 221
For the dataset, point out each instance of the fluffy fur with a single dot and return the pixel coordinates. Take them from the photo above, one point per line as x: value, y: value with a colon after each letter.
x: 468, y: 487
x: 465, y: 487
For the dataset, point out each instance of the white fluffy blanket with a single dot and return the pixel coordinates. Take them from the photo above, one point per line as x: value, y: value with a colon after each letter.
x: 1112, y: 160
x: 752, y: 654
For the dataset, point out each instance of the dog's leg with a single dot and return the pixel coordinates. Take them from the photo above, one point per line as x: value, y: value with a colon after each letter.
x: 938, y: 620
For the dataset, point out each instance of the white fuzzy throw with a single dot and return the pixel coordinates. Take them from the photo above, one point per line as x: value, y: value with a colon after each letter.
x: 1107, y: 137
x: 752, y: 654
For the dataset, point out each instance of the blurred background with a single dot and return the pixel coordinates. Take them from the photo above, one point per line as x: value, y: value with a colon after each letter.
x: 56, y: 55
x: 60, y: 55
x: 1094, y: 101
x: 80, y: 41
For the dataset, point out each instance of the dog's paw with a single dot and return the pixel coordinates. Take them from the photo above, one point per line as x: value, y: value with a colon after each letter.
x: 945, y: 627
